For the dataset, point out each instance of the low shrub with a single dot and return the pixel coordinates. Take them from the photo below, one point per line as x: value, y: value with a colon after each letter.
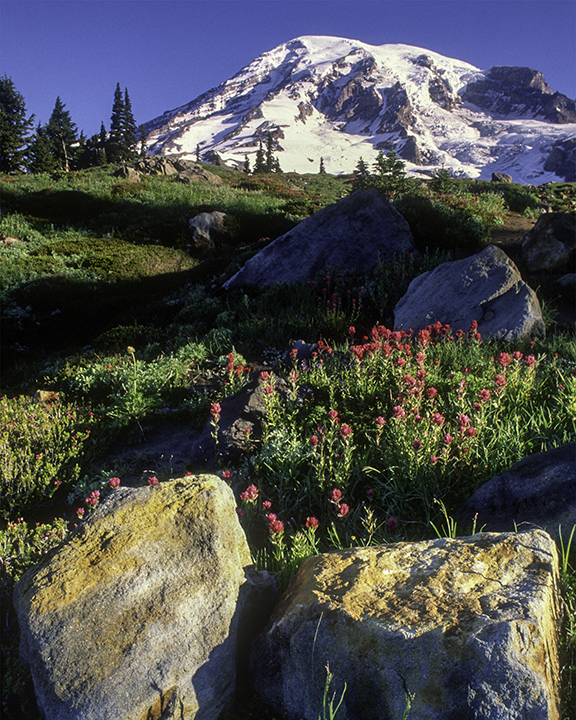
x: 42, y: 446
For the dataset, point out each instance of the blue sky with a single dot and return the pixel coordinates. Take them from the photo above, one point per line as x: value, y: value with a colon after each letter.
x: 167, y: 52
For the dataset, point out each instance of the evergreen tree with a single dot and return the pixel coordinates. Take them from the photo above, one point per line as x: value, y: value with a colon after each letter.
x: 260, y: 164
x: 128, y: 130
x: 142, y: 142
x: 39, y: 154
x: 362, y: 178
x: 62, y: 134
x: 14, y: 126
x: 270, y: 160
x: 197, y: 153
x: 322, y: 168
x: 114, y: 144
x: 390, y: 175
x: 102, y: 136
x: 246, y: 167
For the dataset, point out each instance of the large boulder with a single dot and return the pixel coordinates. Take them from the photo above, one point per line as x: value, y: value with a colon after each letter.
x: 540, y: 491
x: 138, y: 614
x: 550, y: 245
x: 486, y: 288
x: 467, y: 627
x: 350, y: 234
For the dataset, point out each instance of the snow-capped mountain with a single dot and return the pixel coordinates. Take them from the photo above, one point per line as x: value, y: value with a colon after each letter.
x: 338, y: 99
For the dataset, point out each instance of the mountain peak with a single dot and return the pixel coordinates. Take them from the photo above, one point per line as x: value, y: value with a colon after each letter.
x: 340, y: 99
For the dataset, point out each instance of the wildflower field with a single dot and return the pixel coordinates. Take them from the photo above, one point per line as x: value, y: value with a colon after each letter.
x: 372, y: 436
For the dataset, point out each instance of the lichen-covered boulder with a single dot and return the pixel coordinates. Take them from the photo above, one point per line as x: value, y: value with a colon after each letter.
x: 351, y: 233
x: 487, y: 288
x: 138, y: 614
x: 466, y: 627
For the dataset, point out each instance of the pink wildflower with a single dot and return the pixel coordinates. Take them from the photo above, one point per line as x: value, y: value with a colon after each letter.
x: 336, y: 495
x: 153, y: 480
x: 530, y: 360
x: 417, y: 444
x: 448, y: 438
x: 499, y: 381
x: 431, y: 392
x: 504, y: 360
x: 438, y: 419
x: 345, y: 431
x: 266, y: 505
x: 484, y: 395
x: 250, y: 494
x: 370, y: 494
x: 399, y: 412
x: 215, y: 410
x: 380, y: 421
x: 312, y: 523
x: 333, y: 415
x: 433, y: 459
x: 343, y: 510
x: 114, y: 482
x: 314, y: 440
x: 226, y: 474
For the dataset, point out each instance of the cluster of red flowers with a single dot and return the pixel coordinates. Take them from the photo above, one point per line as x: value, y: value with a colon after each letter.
x: 250, y: 494
x: 341, y: 508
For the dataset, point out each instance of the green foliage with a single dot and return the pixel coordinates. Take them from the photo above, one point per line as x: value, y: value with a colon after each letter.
x: 442, y: 181
x: 448, y: 222
x: 14, y: 126
x: 42, y: 446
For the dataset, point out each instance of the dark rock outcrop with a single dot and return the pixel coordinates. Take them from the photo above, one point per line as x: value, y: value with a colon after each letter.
x: 562, y: 160
x: 519, y: 91
x: 538, y: 491
x: 550, y: 246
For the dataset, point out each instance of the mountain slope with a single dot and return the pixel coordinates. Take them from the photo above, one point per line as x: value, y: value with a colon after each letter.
x: 342, y: 99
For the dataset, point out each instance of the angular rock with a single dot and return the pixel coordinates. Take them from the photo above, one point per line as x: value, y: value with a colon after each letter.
x: 127, y: 173
x: 487, y: 288
x: 241, y: 422
x: 538, y: 491
x: 501, y: 177
x: 551, y: 244
x: 137, y: 614
x: 350, y: 233
x: 203, y: 223
x: 468, y: 627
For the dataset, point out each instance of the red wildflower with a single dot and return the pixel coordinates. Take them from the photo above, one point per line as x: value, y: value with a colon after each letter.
x: 314, y: 440
x: 153, y: 480
x: 431, y: 392
x: 500, y: 381
x: 114, y: 482
x: 399, y: 412
x: 250, y: 494
x: 484, y: 395
x: 504, y: 359
x: 345, y: 431
x: 312, y: 523
x: 266, y: 505
x: 343, y: 510
x: 438, y: 419
x: 336, y: 495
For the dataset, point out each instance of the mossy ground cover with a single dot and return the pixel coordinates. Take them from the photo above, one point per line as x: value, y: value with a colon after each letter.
x: 107, y: 302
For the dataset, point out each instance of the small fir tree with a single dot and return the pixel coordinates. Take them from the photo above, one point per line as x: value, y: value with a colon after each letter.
x: 142, y: 142
x: 270, y: 159
x: 362, y: 178
x: 128, y: 130
x: 390, y: 174
x: 14, y: 126
x: 322, y: 168
x: 197, y: 153
x: 114, y: 144
x: 61, y: 132
x: 39, y: 153
x: 246, y: 167
x: 260, y: 164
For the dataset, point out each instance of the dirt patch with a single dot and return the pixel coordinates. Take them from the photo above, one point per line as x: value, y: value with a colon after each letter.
x: 510, y: 235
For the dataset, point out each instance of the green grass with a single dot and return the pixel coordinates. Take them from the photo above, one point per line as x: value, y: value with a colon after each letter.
x: 106, y: 301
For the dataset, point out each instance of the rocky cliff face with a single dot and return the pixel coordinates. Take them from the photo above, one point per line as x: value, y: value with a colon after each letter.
x: 342, y: 99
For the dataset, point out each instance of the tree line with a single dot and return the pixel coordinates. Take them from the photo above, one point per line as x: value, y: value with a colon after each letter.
x: 57, y: 144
